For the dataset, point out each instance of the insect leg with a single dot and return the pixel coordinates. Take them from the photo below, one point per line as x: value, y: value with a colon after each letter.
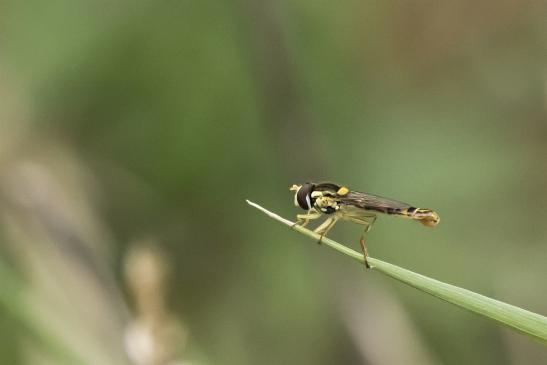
x: 367, y: 221
x: 325, y: 227
x: 303, y: 219
x: 364, y: 249
x: 370, y: 223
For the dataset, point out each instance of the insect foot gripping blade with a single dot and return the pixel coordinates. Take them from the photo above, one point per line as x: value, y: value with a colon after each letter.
x: 427, y: 217
x: 365, y: 251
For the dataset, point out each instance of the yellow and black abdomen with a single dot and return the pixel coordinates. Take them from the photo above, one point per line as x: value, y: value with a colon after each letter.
x: 425, y: 216
x: 376, y: 203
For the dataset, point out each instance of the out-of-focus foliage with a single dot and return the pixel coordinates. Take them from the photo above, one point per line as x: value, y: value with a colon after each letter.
x: 153, y: 120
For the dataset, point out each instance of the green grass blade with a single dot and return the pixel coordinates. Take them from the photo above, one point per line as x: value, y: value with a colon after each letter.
x: 532, y: 324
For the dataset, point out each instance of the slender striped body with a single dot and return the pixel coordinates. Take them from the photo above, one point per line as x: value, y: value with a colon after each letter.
x: 425, y: 216
x: 338, y: 202
x: 328, y: 198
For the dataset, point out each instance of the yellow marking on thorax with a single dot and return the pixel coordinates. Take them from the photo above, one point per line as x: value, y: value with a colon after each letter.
x: 316, y: 194
x: 342, y: 191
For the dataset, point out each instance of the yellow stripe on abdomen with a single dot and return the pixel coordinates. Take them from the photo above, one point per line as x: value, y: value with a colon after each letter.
x: 425, y: 216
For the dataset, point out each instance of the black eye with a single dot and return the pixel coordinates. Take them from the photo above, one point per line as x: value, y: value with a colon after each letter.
x: 303, y: 196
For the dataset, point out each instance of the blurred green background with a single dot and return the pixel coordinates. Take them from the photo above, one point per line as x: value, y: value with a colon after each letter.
x: 132, y: 132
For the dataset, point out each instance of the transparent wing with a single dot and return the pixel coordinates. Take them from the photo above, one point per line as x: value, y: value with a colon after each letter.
x: 373, y: 202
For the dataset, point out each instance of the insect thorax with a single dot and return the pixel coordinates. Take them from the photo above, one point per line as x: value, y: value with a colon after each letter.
x: 324, y: 203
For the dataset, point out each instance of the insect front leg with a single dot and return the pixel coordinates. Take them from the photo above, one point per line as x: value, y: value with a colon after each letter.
x: 303, y: 219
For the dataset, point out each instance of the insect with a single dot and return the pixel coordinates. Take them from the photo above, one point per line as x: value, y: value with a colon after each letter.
x: 340, y: 203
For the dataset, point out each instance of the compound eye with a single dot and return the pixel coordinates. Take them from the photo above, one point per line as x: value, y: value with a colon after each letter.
x: 303, y: 196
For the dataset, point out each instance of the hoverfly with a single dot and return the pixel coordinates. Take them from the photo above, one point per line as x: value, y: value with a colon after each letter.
x: 340, y: 203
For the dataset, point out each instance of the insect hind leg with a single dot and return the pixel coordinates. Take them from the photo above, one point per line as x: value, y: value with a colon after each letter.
x: 367, y: 221
x: 363, y: 245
